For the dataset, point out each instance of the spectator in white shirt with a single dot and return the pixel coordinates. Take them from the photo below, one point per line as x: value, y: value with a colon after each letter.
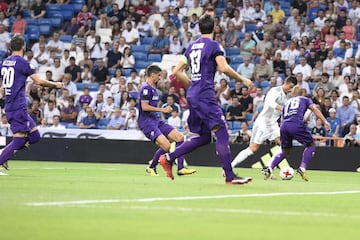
x: 55, y: 44
x: 50, y: 111
x: 56, y: 123
x: 303, y: 68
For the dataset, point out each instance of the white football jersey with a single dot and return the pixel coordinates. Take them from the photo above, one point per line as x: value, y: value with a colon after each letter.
x: 269, y: 115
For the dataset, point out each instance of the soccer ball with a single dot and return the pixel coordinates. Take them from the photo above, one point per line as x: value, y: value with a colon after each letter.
x: 286, y: 173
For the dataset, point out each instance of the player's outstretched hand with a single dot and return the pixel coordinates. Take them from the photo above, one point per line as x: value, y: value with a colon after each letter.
x: 327, y: 126
x: 247, y: 82
x: 167, y: 109
x: 59, y: 85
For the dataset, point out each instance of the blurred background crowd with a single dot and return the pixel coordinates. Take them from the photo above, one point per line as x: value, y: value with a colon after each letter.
x: 100, y: 48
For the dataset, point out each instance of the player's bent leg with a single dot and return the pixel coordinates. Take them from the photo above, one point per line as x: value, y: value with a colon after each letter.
x: 16, y: 144
x: 244, y: 154
x: 308, y: 154
x: 167, y: 159
x: 34, y: 136
x: 224, y: 153
x: 182, y: 170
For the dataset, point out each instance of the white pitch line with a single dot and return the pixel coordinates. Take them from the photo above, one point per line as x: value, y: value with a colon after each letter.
x: 62, y: 168
x: 221, y: 210
x: 157, y: 199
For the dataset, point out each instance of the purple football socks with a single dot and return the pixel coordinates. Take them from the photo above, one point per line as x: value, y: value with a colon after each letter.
x: 307, y: 156
x: 16, y: 144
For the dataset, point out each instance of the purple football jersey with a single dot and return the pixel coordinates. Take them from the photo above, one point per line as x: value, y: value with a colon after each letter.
x: 14, y: 72
x: 201, y: 56
x: 148, y: 94
x: 295, y: 109
x: 292, y: 125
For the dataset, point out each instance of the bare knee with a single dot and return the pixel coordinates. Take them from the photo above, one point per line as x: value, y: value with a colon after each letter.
x: 176, y: 136
x: 254, y: 147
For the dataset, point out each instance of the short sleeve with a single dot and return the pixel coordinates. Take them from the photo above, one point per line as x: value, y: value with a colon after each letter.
x: 145, y: 94
x: 29, y: 69
x: 218, y: 50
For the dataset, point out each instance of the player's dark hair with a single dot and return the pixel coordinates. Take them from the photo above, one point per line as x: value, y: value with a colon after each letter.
x: 291, y: 79
x: 206, y: 24
x: 17, y: 43
x: 152, y: 69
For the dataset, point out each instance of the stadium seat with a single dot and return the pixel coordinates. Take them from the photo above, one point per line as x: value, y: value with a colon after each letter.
x: 66, y: 38
x: 234, y: 125
x: 27, y: 14
x: 67, y: 11
x: 53, y: 7
x: 250, y: 27
x: 142, y: 64
x: 154, y: 58
x: 77, y: 7
x: 138, y: 48
x: 2, y: 54
x: 147, y: 40
x: 219, y: 11
x: 30, y: 21
x: 241, y: 35
x: 140, y: 56
x: 102, y: 123
x: 26, y: 37
x: 236, y: 60
x: 231, y: 83
x: 45, y: 26
x: 93, y: 87
x: 249, y: 117
x: 33, y: 32
x: 72, y: 126
x: 78, y: 1
x: 112, y: 72
x: 54, y: 14
x: 79, y: 86
x: 232, y: 51
x: 56, y: 22
x: 126, y: 72
x: 264, y: 84
x: 311, y: 86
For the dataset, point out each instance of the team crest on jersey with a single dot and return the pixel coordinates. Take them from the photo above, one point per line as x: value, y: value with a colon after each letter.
x: 32, y: 66
x: 222, y: 49
x: 145, y: 92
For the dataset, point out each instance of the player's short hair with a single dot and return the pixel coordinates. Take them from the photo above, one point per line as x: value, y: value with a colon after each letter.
x: 206, y: 24
x: 17, y: 43
x: 152, y: 69
x: 297, y: 91
x: 291, y: 79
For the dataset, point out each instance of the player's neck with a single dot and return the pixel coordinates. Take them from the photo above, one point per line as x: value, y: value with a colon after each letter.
x: 17, y: 53
x: 151, y: 82
x: 210, y: 35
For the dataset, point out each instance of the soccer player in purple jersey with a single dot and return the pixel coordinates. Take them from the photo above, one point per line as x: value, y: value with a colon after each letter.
x: 204, y: 57
x: 153, y: 127
x: 14, y: 72
x: 293, y: 127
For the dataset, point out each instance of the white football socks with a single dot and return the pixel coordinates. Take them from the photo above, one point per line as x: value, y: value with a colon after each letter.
x: 244, y: 154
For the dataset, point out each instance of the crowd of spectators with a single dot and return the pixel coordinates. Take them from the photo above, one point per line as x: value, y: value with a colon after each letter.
x: 264, y: 40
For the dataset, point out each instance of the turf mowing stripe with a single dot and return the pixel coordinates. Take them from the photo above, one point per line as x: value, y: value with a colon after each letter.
x: 220, y: 210
x: 157, y: 199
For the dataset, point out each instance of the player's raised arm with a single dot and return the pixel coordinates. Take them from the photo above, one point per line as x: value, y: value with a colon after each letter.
x: 318, y: 114
x: 39, y: 81
x: 224, y: 67
x: 179, y: 70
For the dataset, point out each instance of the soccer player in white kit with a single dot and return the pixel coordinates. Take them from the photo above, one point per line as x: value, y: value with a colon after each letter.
x: 266, y: 126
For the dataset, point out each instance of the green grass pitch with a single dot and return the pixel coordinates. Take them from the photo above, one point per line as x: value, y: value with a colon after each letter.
x: 53, y: 200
